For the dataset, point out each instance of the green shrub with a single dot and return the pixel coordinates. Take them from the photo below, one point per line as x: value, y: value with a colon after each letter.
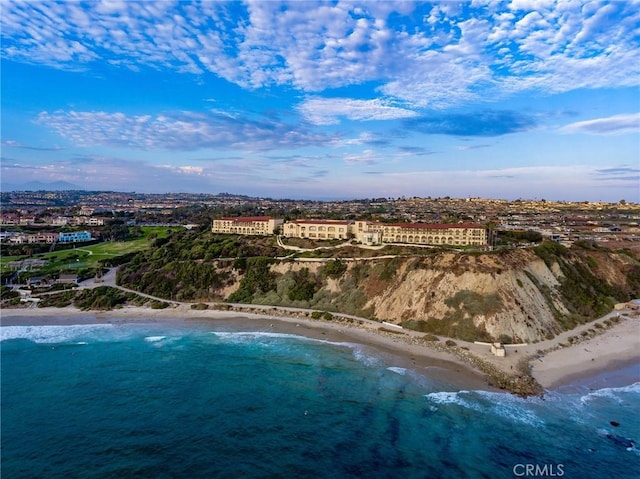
x: 474, y: 303
x: 200, y: 306
x: 304, y: 286
x: 258, y: 278
x: 7, y: 293
x: 101, y: 298
x: 334, y: 268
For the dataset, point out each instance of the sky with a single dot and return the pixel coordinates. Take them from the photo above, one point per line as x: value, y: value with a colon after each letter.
x: 529, y: 99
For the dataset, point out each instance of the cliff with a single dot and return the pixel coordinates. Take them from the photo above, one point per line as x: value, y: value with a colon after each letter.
x: 519, y: 295
x: 514, y: 295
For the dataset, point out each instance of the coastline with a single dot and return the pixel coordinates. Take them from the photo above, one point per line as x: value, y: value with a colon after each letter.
x: 615, y: 349
x: 553, y: 364
x: 395, y: 350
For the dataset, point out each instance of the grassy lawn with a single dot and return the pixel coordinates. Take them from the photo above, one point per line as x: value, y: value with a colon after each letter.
x: 89, y: 256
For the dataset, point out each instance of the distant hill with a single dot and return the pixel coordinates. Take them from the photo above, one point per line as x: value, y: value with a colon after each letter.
x: 40, y: 186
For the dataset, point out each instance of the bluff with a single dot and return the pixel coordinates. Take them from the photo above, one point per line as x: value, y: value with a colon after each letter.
x: 513, y: 295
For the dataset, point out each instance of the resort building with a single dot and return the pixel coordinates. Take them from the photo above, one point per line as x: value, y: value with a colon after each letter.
x: 462, y: 234
x: 317, y: 229
x: 366, y: 232
x: 246, y: 225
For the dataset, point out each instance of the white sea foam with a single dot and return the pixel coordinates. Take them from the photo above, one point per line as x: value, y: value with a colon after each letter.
x: 253, y: 336
x: 611, y: 393
x: 257, y: 335
x: 54, y: 333
x: 448, y: 397
x: 262, y: 337
x: 365, y: 358
x: 503, y: 405
x: 512, y: 407
x: 154, y: 339
x: 397, y: 370
x: 518, y: 414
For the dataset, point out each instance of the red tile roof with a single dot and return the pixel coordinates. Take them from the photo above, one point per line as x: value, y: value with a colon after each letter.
x: 321, y: 222
x: 435, y: 226
x: 247, y: 219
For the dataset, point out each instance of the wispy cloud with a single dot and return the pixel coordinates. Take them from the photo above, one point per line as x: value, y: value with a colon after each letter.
x: 328, y: 111
x: 613, y: 125
x: 625, y: 174
x: 483, y: 123
x: 415, y: 150
x: 16, y: 144
x: 616, y: 170
x: 473, y: 147
x: 177, y: 131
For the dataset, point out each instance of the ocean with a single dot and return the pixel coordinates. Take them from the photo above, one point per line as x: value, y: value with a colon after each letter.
x: 189, y: 401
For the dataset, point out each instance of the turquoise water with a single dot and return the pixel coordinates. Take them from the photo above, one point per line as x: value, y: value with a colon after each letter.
x: 175, y: 401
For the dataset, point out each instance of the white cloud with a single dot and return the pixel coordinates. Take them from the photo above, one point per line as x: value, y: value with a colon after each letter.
x: 430, y: 56
x: 613, y: 125
x: 327, y: 111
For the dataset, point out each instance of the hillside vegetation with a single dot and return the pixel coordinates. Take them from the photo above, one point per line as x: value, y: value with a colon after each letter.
x: 514, y: 295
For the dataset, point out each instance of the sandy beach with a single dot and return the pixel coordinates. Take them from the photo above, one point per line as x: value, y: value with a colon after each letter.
x: 613, y: 349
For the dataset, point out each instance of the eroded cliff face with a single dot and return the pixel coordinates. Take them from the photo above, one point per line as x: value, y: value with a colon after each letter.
x: 423, y: 290
x: 515, y: 294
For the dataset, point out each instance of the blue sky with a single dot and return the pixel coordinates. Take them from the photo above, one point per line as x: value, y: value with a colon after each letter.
x: 520, y: 99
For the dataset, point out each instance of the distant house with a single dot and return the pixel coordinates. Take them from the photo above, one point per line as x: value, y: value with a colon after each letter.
x: 74, y: 237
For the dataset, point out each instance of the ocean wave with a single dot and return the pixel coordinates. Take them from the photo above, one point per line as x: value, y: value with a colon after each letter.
x: 503, y: 405
x: 53, y: 333
x: 397, y: 370
x: 449, y: 397
x: 253, y: 336
x: 154, y: 339
x: 611, y: 393
x: 359, y: 351
x: 361, y: 355
x: 513, y: 407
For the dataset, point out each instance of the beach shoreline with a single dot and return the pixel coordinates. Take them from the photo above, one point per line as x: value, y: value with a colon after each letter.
x: 553, y: 366
x: 393, y: 350
x: 615, y: 349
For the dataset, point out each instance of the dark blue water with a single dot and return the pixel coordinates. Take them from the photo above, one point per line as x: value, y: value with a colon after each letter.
x: 172, y: 401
